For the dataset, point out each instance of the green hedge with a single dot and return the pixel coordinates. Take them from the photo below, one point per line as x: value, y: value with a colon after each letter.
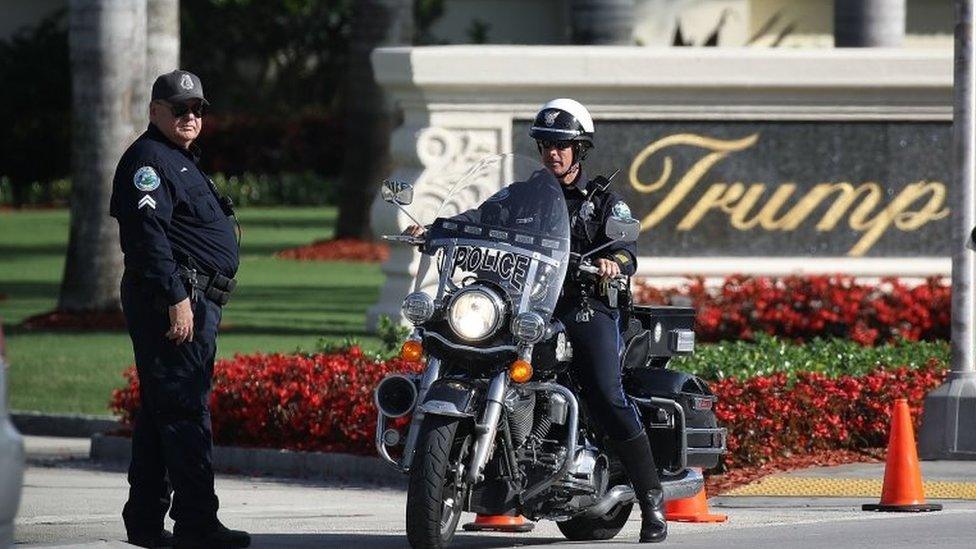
x: 249, y: 189
x: 52, y: 193
x: 285, y: 189
x: 831, y: 357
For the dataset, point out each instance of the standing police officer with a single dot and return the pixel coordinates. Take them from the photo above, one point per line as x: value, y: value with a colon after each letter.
x: 563, y: 130
x: 181, y: 254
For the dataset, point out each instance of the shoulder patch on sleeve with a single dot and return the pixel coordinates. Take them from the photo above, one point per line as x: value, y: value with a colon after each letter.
x: 146, y: 179
x: 621, y: 210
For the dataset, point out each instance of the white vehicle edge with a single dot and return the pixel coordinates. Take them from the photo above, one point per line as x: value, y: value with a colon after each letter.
x: 11, y: 459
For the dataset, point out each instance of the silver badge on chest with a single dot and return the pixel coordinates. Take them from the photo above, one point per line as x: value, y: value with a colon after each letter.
x: 586, y: 211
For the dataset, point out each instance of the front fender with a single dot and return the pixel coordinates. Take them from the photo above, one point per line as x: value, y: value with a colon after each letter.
x: 452, y: 398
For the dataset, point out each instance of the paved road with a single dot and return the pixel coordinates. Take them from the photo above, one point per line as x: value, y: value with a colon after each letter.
x: 73, y: 503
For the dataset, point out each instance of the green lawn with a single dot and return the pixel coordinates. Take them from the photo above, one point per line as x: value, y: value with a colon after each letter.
x: 279, y: 306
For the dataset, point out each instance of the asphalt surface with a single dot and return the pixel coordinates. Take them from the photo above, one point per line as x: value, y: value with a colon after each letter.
x: 69, y: 502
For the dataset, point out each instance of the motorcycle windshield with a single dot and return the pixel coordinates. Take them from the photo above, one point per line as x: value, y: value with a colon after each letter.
x: 516, y: 239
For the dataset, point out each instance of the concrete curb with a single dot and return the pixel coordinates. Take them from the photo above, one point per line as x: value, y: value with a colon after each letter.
x: 62, y: 425
x: 111, y: 449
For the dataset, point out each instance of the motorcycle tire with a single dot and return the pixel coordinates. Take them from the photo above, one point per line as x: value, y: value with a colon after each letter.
x: 594, y: 529
x: 442, y: 442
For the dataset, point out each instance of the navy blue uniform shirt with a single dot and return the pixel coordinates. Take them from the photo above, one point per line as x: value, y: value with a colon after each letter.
x: 588, y: 224
x: 168, y: 213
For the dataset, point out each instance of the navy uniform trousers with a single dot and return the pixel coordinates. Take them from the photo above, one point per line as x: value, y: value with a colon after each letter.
x: 596, y: 347
x: 171, y: 441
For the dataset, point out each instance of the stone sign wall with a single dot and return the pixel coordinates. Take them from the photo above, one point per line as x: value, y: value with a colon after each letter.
x: 761, y: 161
x: 778, y: 189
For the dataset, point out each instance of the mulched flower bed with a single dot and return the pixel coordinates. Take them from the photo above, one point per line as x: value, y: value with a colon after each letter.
x: 60, y: 320
x: 343, y: 249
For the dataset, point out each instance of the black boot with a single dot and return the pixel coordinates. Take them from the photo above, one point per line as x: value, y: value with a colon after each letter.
x: 635, y: 455
x: 215, y: 536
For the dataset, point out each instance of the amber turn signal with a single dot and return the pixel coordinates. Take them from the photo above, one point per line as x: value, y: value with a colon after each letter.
x: 411, y: 350
x: 520, y: 371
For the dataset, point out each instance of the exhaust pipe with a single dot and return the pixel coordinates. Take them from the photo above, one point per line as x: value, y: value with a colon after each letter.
x: 680, y: 487
x: 620, y: 494
x: 395, y: 396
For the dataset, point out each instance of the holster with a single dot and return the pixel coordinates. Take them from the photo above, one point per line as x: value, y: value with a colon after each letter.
x: 215, y: 287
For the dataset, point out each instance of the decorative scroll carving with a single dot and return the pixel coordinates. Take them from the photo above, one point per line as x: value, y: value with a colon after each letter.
x: 446, y: 155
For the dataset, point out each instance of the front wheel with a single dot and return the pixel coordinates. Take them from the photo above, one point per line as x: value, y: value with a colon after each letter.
x: 593, y: 529
x: 435, y: 493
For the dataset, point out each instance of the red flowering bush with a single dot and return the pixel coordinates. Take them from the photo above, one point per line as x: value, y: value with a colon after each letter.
x: 62, y: 320
x: 324, y: 402
x: 343, y: 249
x: 804, y: 307
x: 771, y: 416
x: 318, y: 402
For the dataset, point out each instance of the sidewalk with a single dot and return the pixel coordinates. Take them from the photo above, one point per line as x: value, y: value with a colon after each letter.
x: 941, y: 479
x: 56, y: 448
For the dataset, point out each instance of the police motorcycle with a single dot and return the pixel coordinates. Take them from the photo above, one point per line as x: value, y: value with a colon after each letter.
x: 493, y: 424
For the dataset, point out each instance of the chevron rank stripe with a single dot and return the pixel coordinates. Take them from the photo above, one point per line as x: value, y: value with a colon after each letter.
x: 147, y: 201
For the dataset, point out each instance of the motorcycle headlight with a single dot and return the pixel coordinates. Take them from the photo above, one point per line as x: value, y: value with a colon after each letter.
x: 475, y: 313
x: 418, y: 307
x: 529, y: 327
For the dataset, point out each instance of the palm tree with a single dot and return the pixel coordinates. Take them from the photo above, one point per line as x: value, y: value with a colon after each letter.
x: 162, y: 37
x: 107, y: 43
x: 370, y: 116
x: 869, y: 23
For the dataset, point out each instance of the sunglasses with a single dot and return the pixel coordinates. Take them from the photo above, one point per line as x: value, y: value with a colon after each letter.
x: 180, y: 110
x: 546, y: 144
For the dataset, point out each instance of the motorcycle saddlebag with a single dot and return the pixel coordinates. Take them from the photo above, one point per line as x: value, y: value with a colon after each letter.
x: 656, y: 333
x: 677, y: 409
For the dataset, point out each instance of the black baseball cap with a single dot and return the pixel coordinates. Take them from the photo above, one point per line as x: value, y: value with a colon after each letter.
x: 177, y: 87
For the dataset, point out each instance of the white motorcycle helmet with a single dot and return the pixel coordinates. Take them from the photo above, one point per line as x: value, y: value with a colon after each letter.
x: 564, y: 120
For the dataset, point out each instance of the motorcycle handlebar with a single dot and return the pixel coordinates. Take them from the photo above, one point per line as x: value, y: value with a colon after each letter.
x: 405, y: 238
x: 594, y: 270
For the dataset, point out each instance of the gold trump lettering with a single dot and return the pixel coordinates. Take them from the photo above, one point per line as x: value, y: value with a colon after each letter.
x: 863, y: 205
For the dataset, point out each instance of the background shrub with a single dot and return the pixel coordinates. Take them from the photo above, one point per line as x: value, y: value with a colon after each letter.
x: 806, y: 307
x: 773, y: 416
x: 316, y: 402
x: 769, y: 355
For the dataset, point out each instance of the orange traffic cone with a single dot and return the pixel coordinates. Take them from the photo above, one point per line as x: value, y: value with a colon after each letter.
x: 499, y: 523
x: 693, y: 509
x: 902, y: 489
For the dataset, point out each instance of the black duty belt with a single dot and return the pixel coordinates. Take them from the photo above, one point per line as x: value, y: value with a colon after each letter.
x: 611, y: 293
x: 215, y: 287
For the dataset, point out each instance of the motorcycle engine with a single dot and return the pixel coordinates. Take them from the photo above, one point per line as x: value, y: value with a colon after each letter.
x: 588, y: 475
x: 537, y: 424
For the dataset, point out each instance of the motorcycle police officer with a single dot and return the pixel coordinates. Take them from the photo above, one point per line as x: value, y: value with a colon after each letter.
x: 563, y: 130
x: 181, y: 254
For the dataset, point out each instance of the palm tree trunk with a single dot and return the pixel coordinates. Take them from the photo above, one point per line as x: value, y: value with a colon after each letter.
x: 602, y: 22
x: 369, y: 115
x: 162, y: 37
x: 107, y: 41
x: 869, y: 23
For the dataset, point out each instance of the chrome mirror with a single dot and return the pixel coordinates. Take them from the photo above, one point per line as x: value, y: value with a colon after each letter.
x: 397, y: 192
